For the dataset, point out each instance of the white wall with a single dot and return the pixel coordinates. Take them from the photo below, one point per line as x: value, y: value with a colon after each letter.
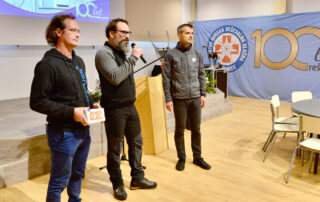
x: 17, y: 63
x: 186, y: 10
x: 222, y: 9
x: 302, y: 6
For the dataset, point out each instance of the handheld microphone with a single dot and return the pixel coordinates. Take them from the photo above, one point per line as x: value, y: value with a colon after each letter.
x: 141, y: 57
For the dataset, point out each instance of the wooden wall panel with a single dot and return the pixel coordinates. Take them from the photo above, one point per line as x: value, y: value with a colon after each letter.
x: 155, y: 16
x: 280, y: 6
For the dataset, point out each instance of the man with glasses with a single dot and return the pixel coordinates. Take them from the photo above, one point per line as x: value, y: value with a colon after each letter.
x: 118, y: 97
x: 184, y: 87
x: 59, y: 90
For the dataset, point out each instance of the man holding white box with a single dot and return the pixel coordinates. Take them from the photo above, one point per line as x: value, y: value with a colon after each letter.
x: 59, y: 90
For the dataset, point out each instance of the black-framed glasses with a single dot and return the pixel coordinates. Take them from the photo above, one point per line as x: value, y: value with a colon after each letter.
x: 124, y: 33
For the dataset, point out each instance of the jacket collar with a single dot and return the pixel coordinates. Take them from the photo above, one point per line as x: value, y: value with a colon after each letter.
x: 114, y: 49
x: 182, y: 48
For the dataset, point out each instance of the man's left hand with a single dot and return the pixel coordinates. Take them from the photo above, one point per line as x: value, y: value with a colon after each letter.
x: 203, y: 101
x: 96, y: 106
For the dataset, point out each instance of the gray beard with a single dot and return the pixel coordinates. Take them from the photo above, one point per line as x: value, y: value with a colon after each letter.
x: 122, y: 46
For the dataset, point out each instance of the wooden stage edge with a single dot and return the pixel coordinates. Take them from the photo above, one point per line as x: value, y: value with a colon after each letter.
x: 24, y: 153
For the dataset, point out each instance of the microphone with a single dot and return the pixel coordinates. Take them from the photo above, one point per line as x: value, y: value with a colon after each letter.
x: 141, y: 57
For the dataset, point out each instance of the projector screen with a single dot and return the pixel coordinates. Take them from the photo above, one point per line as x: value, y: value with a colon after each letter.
x: 23, y: 22
x: 84, y: 10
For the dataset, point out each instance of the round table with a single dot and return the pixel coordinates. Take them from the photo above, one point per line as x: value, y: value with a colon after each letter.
x: 310, y: 108
x: 307, y: 107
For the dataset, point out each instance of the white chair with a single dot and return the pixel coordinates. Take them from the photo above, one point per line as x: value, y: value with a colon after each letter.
x: 298, y: 96
x: 289, y: 120
x: 276, y: 128
x: 310, y: 125
x: 278, y: 120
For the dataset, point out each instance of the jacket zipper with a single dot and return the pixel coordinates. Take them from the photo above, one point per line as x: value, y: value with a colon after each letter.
x: 188, y: 71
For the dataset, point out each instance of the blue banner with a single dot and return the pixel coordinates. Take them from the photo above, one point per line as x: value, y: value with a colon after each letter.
x: 265, y: 55
x: 84, y: 10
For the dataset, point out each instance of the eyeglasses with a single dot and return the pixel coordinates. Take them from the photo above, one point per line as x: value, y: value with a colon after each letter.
x: 75, y: 31
x: 124, y: 33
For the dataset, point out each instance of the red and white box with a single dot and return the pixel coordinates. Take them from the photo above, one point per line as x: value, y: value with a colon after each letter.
x: 95, y: 115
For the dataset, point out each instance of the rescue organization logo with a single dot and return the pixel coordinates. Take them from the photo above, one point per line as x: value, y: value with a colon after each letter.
x: 231, y: 46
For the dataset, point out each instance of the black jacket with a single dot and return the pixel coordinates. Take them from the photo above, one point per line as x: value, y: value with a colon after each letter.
x: 59, y: 85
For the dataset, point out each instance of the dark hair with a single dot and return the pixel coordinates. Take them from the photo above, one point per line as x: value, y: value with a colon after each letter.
x: 112, y: 26
x: 56, y: 22
x: 179, y: 29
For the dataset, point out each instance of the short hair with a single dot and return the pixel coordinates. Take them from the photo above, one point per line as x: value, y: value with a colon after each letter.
x: 112, y: 26
x: 179, y: 29
x: 56, y: 22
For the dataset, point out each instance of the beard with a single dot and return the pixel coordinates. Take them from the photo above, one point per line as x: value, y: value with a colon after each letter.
x: 122, y: 45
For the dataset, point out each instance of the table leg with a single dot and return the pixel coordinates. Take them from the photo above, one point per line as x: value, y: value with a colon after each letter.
x: 316, y: 163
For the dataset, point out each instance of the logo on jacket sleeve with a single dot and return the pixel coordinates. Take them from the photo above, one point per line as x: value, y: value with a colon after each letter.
x: 231, y: 45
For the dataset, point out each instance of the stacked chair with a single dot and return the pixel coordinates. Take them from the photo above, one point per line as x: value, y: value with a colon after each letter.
x: 279, y: 124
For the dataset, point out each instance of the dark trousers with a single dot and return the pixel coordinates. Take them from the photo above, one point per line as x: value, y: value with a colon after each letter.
x: 120, y: 122
x: 69, y: 153
x: 190, y: 108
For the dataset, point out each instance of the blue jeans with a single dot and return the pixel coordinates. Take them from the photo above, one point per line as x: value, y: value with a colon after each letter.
x: 69, y: 153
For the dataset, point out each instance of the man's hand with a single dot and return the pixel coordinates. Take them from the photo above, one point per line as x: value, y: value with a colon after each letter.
x: 79, y: 115
x: 96, y: 106
x: 137, y: 51
x: 169, y: 106
x: 203, y: 101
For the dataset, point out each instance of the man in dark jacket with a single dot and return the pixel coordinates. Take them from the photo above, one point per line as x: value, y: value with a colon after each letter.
x: 118, y: 97
x: 184, y: 88
x: 59, y: 90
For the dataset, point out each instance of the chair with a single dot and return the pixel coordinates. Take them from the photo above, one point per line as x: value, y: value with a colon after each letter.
x: 289, y: 120
x: 298, y: 96
x: 277, y: 127
x: 310, y: 125
x: 278, y: 120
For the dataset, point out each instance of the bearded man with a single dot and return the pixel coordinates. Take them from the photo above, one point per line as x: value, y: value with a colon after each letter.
x: 118, y: 96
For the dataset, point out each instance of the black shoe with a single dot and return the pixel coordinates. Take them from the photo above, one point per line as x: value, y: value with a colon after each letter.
x: 120, y: 193
x: 142, y: 184
x: 200, y: 162
x: 180, y: 165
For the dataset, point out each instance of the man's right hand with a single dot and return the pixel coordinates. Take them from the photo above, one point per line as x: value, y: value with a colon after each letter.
x: 169, y: 106
x: 79, y: 115
x: 137, y: 51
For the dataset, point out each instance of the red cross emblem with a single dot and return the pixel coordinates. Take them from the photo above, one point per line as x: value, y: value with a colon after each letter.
x: 228, y: 46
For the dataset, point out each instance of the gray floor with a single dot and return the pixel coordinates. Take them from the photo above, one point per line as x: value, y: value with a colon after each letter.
x: 17, y: 120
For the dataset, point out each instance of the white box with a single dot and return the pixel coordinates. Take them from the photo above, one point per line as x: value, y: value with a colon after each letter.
x: 95, y: 115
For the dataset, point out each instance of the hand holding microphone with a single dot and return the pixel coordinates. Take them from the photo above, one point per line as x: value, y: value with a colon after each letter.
x: 137, y: 51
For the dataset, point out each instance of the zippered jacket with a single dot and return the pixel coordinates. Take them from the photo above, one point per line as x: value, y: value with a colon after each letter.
x: 183, y: 74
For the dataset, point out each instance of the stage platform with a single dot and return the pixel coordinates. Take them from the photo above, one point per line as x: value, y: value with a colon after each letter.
x: 24, y: 152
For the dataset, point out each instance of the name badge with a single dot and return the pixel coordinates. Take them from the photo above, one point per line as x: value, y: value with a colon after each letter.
x: 194, y: 59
